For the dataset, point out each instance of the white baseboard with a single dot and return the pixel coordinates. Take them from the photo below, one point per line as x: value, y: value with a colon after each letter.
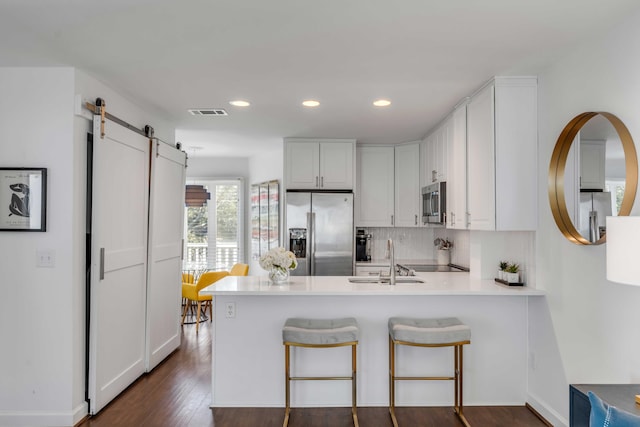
x: 547, y: 412
x: 80, y: 412
x: 43, y: 418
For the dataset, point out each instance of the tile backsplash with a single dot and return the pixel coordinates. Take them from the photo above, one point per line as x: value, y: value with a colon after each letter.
x: 417, y: 243
x: 478, y: 250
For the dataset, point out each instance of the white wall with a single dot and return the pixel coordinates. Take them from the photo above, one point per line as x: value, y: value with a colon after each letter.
x: 36, y: 304
x: 587, y: 333
x: 42, y: 310
x: 217, y: 167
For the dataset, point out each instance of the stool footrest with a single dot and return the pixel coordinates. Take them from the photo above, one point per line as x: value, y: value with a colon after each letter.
x: 319, y: 378
x: 424, y: 378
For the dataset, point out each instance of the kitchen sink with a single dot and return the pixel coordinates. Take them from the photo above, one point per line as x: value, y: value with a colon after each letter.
x: 385, y: 280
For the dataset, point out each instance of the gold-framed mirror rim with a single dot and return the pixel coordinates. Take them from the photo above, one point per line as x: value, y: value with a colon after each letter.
x: 557, y: 200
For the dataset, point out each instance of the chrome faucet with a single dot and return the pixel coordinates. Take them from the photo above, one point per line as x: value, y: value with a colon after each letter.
x: 392, y: 262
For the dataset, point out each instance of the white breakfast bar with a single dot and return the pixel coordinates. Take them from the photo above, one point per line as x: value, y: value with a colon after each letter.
x: 248, y: 355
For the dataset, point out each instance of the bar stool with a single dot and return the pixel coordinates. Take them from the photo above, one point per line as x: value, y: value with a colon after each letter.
x: 443, y: 332
x: 320, y: 333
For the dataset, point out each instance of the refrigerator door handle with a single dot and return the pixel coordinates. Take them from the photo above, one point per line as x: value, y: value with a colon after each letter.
x: 309, y: 243
x: 312, y: 260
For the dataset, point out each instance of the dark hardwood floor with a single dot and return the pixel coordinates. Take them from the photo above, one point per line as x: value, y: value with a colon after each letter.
x: 178, y: 393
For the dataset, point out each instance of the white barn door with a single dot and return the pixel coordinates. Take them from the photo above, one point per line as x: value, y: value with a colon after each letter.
x: 120, y: 192
x: 165, y: 252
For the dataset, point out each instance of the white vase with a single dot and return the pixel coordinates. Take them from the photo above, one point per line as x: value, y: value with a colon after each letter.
x: 444, y: 257
x: 512, y: 277
x: 500, y: 275
x: 278, y: 276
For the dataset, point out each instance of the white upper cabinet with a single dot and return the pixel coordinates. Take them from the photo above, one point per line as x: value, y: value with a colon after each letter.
x: 374, y: 201
x: 592, y: 164
x: 407, y: 185
x: 502, y: 155
x: 319, y: 164
x: 457, y: 170
x: 434, y: 154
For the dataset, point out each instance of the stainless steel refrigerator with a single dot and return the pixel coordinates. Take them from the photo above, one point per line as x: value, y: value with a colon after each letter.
x: 319, y: 229
x: 594, y: 208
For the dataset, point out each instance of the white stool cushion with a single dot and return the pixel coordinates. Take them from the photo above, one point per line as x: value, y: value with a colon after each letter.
x: 429, y: 331
x: 320, y: 331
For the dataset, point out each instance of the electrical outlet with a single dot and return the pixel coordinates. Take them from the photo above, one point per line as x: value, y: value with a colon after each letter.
x: 46, y: 258
x: 230, y: 310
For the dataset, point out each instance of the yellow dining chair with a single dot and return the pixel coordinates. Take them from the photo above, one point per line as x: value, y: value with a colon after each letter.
x: 191, y: 292
x: 239, y: 270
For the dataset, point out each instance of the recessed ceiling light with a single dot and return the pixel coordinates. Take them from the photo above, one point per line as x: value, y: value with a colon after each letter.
x: 310, y: 103
x: 381, y: 102
x: 239, y: 103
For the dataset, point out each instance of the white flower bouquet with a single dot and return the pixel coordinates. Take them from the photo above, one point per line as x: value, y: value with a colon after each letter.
x: 279, y: 259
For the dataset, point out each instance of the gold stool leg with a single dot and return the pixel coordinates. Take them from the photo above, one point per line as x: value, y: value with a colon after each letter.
x: 287, y: 379
x: 354, y: 382
x: 458, y: 382
x: 392, y: 382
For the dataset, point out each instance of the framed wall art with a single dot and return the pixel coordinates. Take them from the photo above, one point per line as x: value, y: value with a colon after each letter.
x: 23, y: 199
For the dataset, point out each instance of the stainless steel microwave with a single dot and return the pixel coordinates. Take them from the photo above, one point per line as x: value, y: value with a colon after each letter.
x: 434, y: 203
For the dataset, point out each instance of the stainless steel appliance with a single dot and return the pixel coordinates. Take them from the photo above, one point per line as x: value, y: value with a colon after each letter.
x: 594, y: 208
x: 363, y: 245
x: 434, y: 203
x: 322, y: 224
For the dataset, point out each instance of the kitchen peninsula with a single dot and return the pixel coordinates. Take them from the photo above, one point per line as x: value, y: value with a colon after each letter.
x: 248, y: 355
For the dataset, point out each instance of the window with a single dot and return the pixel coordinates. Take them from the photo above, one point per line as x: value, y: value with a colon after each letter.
x: 214, y: 232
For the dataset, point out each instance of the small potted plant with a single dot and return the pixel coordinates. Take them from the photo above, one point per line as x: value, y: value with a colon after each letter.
x: 443, y: 247
x: 512, y: 274
x: 503, y: 266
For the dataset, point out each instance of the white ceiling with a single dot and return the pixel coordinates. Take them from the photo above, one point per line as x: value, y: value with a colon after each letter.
x: 423, y: 55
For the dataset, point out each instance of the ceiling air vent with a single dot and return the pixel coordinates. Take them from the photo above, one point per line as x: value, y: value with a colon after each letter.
x: 208, y: 112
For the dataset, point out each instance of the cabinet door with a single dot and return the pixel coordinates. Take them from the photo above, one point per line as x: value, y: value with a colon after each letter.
x: 592, y: 160
x: 481, y: 161
x: 516, y: 154
x: 407, y: 185
x: 375, y: 201
x: 336, y: 166
x: 440, y: 163
x: 302, y: 165
x: 428, y: 154
x: 457, y: 171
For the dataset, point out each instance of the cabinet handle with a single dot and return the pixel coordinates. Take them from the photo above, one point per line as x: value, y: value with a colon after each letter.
x: 316, y: 181
x: 416, y: 219
x: 391, y: 219
x: 434, y: 175
x: 453, y: 218
x: 101, y: 264
x: 321, y: 181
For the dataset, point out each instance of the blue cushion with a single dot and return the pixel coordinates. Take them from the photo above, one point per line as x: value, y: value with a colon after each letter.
x: 604, y: 415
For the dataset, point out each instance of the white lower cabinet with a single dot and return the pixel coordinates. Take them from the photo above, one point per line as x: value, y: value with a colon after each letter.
x: 371, y: 270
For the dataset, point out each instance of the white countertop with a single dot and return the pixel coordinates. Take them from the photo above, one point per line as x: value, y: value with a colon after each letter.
x: 435, y: 284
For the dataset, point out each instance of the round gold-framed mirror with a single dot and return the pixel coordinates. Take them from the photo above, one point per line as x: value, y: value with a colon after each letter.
x: 577, y: 203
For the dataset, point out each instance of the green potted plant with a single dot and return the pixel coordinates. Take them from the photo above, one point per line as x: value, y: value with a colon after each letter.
x: 512, y: 273
x: 502, y: 267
